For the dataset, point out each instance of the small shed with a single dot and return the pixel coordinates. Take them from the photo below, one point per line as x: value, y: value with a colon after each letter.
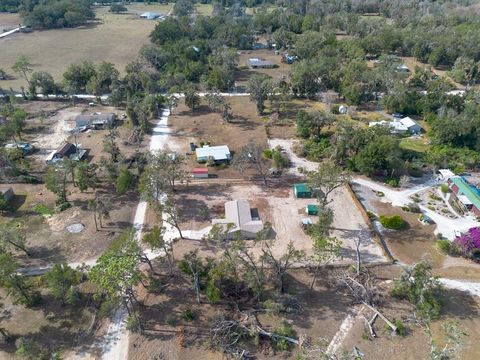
x: 150, y: 15
x: 95, y: 121
x: 312, y: 209
x: 200, y: 173
x: 257, y: 63
x: 7, y: 193
x: 302, y: 191
x: 342, y: 109
x: 306, y: 222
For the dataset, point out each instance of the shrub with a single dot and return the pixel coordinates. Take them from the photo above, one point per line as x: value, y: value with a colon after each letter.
x: 392, y: 182
x: 280, y: 160
x: 133, y: 323
x: 28, y: 349
x: 188, y: 315
x: 284, y: 330
x: 124, y: 182
x: 171, y: 320
x: 469, y: 242
x: 414, y: 208
x: 444, y: 188
x: 154, y: 286
x: 267, y: 153
x: 401, y: 328
x: 63, y: 206
x: 105, y: 309
x: 42, y: 209
x: 444, y: 246
x: 394, y: 222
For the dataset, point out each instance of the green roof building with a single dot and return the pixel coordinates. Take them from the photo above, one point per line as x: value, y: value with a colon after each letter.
x: 467, y: 195
x: 312, y: 209
x: 302, y: 191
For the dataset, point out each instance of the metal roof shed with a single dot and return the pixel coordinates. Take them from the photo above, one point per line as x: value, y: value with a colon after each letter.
x: 302, y: 190
x: 312, y: 209
x: 217, y: 153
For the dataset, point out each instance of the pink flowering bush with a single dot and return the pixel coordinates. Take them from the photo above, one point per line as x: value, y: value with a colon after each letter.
x: 469, y: 242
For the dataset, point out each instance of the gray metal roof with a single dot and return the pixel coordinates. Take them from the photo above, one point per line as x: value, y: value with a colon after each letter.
x: 238, y: 213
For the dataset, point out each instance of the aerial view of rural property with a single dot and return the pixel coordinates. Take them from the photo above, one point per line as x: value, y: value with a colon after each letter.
x: 240, y: 179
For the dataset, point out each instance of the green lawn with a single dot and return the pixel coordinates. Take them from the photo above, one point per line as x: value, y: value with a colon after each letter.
x: 417, y: 145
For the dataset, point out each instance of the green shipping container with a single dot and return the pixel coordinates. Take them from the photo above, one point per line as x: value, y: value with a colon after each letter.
x: 312, y: 209
x: 302, y: 191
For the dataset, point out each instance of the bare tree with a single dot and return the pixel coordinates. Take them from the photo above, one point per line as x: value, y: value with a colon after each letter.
x: 251, y: 157
x: 171, y: 213
x: 101, y: 207
x: 282, y: 263
x: 193, y: 265
x: 325, y: 180
x: 364, y: 290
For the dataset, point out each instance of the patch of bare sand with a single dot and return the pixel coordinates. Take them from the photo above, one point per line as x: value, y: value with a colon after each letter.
x: 59, y: 127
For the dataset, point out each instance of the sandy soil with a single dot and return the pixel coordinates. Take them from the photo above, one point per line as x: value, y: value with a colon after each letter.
x: 297, y: 162
x: 66, y: 326
x: 277, y: 206
x: 322, y: 313
x: 57, y: 130
x: 205, y: 125
x: 47, y: 237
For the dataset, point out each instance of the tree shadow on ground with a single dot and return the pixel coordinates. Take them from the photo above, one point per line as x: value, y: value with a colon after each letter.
x: 322, y: 303
x: 459, y: 304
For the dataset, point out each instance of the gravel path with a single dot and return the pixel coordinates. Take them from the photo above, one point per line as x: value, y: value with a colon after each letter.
x: 449, y: 228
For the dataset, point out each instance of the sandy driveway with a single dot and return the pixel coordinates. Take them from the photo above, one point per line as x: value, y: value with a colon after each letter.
x: 287, y: 146
x: 448, y: 227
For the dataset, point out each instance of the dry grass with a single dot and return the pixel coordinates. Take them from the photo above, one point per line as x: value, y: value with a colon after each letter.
x: 116, y: 38
x: 205, y: 125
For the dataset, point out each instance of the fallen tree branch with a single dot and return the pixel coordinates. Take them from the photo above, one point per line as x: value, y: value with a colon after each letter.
x: 388, y: 322
x: 370, y: 328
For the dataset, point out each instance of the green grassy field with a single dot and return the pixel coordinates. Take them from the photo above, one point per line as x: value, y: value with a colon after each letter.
x: 116, y: 38
x: 417, y: 145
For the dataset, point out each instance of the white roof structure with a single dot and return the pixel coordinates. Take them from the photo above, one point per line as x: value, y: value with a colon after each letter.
x: 408, y: 122
x: 218, y: 153
x: 397, y: 125
x: 446, y: 173
x: 464, y: 200
x: 238, y: 213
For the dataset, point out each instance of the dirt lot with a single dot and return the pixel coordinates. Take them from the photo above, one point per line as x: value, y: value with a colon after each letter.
x: 205, y: 125
x: 417, y: 241
x: 322, y: 312
x: 326, y: 313
x: 115, y: 38
x: 50, y: 123
x: 47, y: 237
x: 9, y: 21
x: 243, y: 73
x: 277, y: 206
x: 52, y: 326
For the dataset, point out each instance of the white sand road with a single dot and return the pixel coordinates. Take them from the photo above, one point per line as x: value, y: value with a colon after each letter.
x: 449, y: 228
